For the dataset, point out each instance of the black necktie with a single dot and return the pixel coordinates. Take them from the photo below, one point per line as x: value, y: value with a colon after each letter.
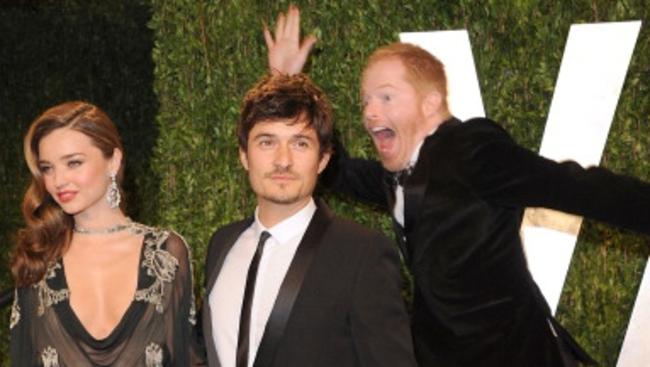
x: 245, y: 317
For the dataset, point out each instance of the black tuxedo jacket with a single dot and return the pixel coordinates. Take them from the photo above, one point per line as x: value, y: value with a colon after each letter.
x: 339, y: 304
x: 475, y: 302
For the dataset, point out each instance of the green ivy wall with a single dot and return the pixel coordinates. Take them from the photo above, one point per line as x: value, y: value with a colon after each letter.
x: 181, y: 147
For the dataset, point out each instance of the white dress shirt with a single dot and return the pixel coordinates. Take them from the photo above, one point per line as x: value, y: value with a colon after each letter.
x: 226, y: 296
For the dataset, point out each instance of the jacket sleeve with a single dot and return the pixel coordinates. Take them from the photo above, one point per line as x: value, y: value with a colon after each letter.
x: 379, y: 322
x: 504, y: 173
x: 360, y: 179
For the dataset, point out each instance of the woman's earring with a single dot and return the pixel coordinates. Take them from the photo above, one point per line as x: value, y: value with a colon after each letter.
x: 113, y: 196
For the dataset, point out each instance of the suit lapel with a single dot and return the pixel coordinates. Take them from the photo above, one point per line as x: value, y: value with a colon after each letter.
x: 291, y: 286
x: 219, y: 257
x: 213, y: 268
x: 416, y: 184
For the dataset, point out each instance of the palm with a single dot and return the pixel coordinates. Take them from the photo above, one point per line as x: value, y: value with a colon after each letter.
x: 286, y: 54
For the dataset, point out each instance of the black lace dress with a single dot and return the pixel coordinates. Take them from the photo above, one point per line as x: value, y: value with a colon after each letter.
x: 158, y: 328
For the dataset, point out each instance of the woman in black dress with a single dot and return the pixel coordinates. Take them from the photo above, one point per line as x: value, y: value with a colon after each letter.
x: 93, y: 288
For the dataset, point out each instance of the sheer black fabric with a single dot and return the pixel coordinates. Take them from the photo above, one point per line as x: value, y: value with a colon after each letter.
x: 158, y: 328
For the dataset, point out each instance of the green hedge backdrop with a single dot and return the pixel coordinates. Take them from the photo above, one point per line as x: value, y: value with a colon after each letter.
x: 172, y: 73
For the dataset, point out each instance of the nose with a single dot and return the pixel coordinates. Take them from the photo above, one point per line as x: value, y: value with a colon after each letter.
x: 283, y: 156
x: 370, y: 110
x: 58, y: 179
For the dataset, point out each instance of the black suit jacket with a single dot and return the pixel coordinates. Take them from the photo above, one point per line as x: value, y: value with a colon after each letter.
x: 475, y: 302
x: 347, y: 311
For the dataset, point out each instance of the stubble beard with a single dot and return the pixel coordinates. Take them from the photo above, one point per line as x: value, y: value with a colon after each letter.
x: 282, y: 197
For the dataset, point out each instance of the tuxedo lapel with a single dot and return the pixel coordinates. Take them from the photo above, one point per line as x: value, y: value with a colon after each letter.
x: 220, y: 248
x: 223, y: 250
x: 414, y: 189
x: 416, y: 183
x: 291, y: 286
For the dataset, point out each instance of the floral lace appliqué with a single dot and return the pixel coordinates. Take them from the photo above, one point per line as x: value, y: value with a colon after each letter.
x: 50, y: 357
x: 153, y: 355
x: 161, y: 265
x: 15, y: 312
x: 47, y: 296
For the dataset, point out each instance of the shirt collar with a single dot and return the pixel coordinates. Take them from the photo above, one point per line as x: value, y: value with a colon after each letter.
x: 287, y: 229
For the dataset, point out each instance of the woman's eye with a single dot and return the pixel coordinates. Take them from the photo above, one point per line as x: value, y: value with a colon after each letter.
x: 74, y: 163
x: 45, y: 169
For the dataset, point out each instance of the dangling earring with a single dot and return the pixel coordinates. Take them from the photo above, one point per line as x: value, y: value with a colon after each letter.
x: 113, y: 196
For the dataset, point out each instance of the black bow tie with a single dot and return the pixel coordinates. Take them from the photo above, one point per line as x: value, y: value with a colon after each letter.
x: 400, y: 176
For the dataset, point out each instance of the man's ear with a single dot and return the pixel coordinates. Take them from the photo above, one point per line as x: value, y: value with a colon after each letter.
x: 243, y: 158
x: 431, y: 104
x: 324, y: 159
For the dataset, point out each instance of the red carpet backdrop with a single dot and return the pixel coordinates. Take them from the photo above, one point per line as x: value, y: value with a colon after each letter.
x: 172, y: 73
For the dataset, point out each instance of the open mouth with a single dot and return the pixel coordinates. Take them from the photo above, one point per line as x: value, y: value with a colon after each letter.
x: 383, y: 137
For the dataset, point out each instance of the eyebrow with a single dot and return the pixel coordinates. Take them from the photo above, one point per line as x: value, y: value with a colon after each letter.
x: 263, y: 135
x: 293, y: 137
x: 382, y: 86
x: 65, y: 157
x: 386, y: 85
x: 303, y: 136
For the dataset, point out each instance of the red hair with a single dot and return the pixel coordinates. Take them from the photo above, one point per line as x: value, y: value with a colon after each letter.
x: 423, y: 70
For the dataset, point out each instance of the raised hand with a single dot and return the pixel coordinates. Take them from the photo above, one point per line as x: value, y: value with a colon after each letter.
x: 286, y: 54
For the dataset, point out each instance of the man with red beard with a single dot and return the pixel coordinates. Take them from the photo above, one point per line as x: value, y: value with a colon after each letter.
x: 457, y: 193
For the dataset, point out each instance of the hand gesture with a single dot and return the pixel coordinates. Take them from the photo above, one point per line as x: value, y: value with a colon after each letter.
x: 286, y: 54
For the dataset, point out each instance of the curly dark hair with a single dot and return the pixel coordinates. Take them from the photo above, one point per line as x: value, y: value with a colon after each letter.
x: 284, y: 97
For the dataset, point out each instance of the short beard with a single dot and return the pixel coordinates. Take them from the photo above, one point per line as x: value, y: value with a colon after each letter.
x: 282, y: 199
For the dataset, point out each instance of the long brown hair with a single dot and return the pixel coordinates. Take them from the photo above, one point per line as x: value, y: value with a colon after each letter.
x: 48, y: 229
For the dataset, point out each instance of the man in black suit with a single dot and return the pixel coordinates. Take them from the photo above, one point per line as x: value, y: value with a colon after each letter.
x: 294, y: 285
x: 457, y: 193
